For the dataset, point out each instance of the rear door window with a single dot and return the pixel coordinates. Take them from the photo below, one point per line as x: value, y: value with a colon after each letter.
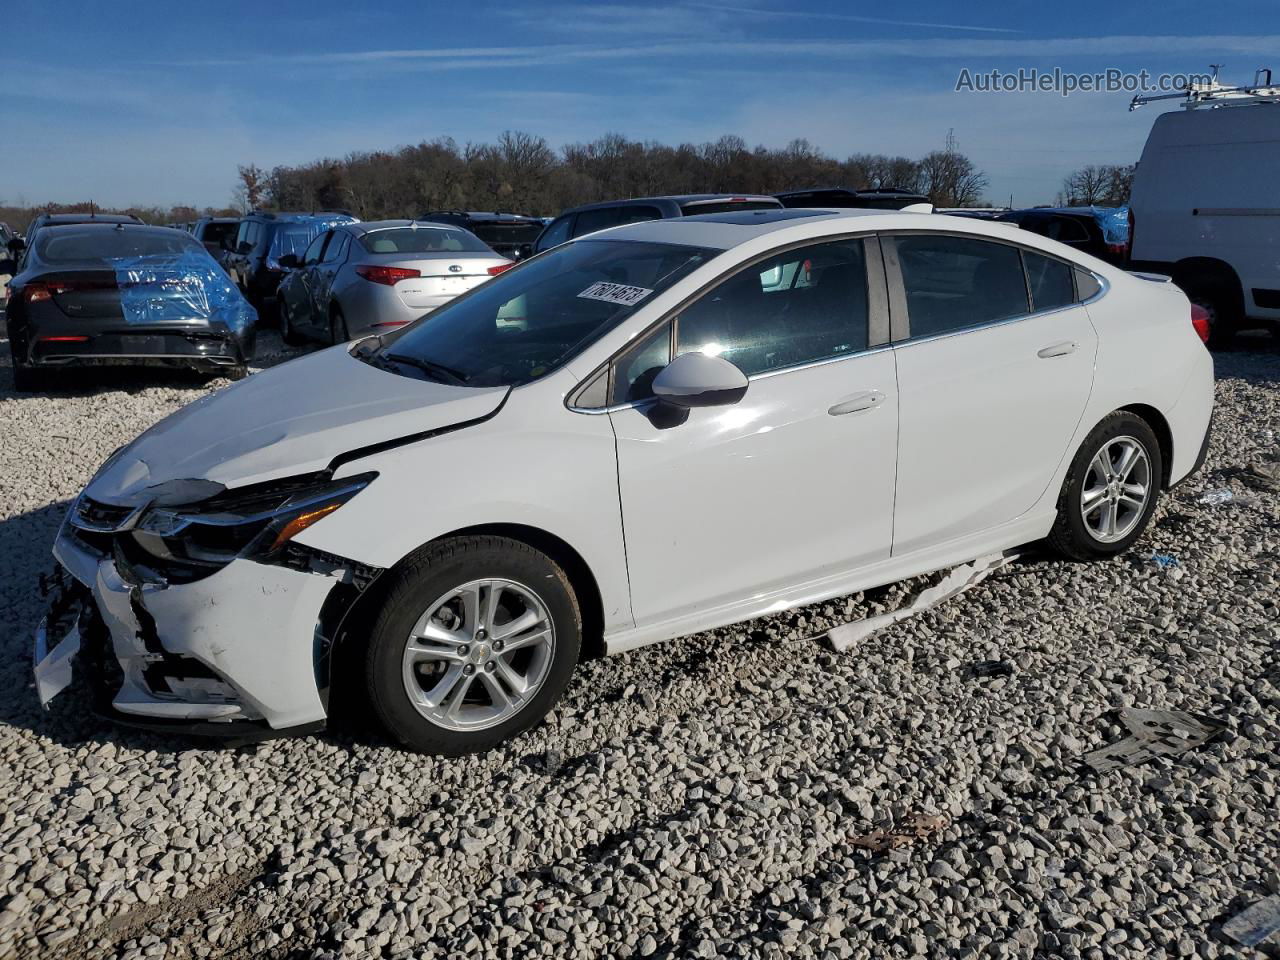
x: 954, y: 283
x: 336, y: 251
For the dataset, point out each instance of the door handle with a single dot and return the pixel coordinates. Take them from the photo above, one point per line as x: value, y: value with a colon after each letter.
x: 1057, y: 349
x: 856, y: 403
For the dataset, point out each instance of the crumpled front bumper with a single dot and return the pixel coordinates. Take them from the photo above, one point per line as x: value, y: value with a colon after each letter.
x: 243, y: 651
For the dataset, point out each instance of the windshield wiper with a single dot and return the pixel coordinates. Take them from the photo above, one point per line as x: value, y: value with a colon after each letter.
x: 437, y: 371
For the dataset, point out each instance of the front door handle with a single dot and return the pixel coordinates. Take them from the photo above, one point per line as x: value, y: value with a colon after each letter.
x: 856, y: 403
x: 1057, y: 349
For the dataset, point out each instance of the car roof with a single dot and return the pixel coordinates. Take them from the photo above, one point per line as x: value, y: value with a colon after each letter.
x: 724, y: 231
x: 680, y: 199
x: 49, y: 219
x: 477, y: 215
x: 368, y: 226
x: 58, y: 229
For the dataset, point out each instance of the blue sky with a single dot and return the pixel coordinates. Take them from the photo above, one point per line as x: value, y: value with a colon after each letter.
x: 156, y: 103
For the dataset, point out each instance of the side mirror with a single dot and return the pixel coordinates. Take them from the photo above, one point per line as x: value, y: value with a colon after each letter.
x: 16, y: 246
x: 8, y: 266
x: 289, y: 261
x: 699, y: 380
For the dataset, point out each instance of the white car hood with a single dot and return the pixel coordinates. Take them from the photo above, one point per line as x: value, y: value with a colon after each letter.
x: 292, y: 419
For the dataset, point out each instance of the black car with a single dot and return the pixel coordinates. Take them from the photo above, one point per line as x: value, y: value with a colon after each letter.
x: 510, y: 234
x: 888, y: 198
x: 100, y: 293
x: 253, y: 253
x: 613, y: 213
x: 1085, y: 228
x: 66, y: 220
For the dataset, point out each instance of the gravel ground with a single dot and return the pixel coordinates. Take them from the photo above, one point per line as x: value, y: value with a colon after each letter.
x: 699, y: 798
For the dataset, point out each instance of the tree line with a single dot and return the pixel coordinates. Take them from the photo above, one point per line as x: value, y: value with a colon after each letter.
x: 522, y: 173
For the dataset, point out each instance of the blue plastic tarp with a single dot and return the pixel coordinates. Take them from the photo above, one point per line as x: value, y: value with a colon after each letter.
x: 160, y: 288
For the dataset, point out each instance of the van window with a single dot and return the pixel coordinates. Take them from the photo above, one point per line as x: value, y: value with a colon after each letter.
x: 953, y: 283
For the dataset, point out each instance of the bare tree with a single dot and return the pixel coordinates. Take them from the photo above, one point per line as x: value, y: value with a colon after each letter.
x: 1106, y: 185
x: 950, y: 180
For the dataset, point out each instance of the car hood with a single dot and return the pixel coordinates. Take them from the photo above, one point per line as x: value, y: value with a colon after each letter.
x: 292, y: 419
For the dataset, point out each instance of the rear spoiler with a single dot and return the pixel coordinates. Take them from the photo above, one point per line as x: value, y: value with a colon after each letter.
x: 1153, y: 277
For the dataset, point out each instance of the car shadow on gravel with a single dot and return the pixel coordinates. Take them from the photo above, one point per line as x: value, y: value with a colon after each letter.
x: 79, y: 381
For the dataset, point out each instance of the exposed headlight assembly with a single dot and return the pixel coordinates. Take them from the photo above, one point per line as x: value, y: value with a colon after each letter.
x: 256, y: 523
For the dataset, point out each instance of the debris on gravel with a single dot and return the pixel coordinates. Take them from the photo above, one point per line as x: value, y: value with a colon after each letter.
x: 698, y: 798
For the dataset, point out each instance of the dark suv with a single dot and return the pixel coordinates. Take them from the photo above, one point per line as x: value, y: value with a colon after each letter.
x: 614, y: 213
x: 254, y: 251
x: 510, y: 234
x: 1100, y: 231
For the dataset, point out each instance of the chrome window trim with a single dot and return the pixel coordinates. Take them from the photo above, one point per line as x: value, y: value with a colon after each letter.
x: 649, y: 401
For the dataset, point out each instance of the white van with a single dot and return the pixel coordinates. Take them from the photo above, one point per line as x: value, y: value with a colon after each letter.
x: 1205, y: 206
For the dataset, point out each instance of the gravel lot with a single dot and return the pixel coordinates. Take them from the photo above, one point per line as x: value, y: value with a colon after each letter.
x: 697, y: 798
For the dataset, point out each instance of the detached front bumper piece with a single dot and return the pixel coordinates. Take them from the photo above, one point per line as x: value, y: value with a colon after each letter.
x: 242, y: 653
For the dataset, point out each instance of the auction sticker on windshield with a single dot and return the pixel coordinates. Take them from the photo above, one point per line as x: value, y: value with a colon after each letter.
x: 618, y: 293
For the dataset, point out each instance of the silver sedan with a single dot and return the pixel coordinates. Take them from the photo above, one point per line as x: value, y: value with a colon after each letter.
x: 369, y: 278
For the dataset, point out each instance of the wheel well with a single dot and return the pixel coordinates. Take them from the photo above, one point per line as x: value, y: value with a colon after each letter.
x: 1200, y: 272
x: 1164, y: 436
x: 580, y: 576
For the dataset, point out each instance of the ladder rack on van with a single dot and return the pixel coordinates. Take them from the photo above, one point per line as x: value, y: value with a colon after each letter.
x: 1214, y: 94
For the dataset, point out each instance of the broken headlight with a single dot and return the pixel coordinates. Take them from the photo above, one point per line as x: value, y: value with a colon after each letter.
x: 255, y: 522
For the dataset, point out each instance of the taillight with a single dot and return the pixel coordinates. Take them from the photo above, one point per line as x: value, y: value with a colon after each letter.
x: 63, y: 339
x: 1200, y: 320
x: 36, y: 292
x: 388, y: 275
x: 500, y: 268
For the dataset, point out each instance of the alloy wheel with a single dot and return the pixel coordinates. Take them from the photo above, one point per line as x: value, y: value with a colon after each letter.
x: 1116, y: 489
x: 479, y: 654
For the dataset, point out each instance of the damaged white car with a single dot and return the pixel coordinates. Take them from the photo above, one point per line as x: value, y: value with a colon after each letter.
x: 652, y: 431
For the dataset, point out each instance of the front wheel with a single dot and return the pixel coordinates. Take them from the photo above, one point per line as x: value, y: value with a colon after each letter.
x: 1110, y: 490
x: 475, y: 642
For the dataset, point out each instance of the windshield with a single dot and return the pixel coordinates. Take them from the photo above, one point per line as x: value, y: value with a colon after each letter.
x: 525, y: 323
x: 422, y: 240
x: 64, y: 245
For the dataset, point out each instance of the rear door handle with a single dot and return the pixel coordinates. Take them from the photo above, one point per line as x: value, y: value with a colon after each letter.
x: 856, y: 403
x: 1057, y: 349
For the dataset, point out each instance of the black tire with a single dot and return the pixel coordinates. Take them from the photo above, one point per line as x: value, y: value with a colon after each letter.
x: 287, y: 332
x: 433, y: 572
x: 1071, y: 536
x: 1225, y: 311
x: 337, y: 326
x: 27, y: 380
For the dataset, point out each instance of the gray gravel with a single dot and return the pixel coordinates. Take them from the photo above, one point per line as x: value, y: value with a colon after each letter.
x: 698, y: 798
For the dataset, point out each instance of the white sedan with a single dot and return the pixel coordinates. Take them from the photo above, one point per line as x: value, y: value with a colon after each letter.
x: 656, y: 430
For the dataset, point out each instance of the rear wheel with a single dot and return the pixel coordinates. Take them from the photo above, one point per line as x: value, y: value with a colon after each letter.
x: 337, y: 326
x: 1110, y: 490
x: 1223, y: 305
x: 476, y: 640
x: 287, y: 332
